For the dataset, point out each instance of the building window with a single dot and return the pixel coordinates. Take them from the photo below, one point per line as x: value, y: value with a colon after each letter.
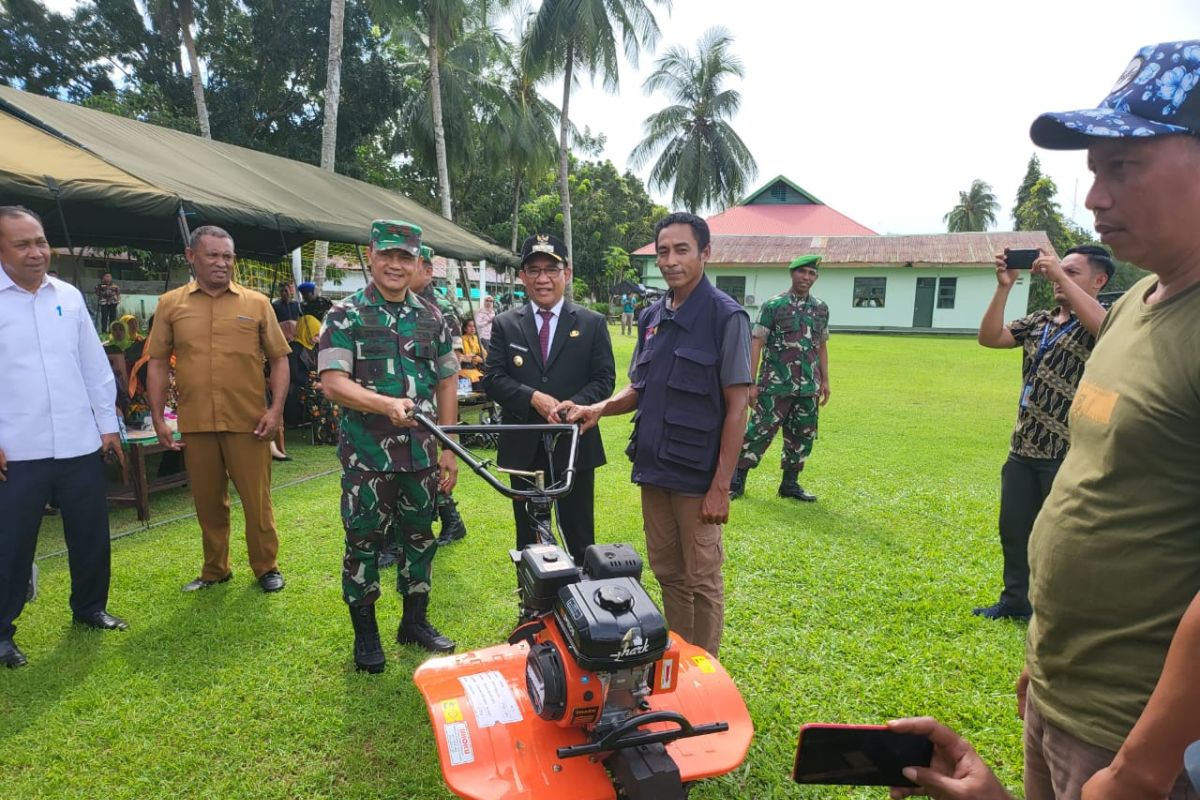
x: 870, y: 292
x: 779, y: 192
x: 734, y: 286
x: 947, y: 289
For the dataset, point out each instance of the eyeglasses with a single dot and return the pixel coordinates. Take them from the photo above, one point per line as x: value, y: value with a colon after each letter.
x: 537, y: 273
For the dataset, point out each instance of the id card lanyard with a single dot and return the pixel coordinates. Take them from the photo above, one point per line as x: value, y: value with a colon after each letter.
x: 1043, y: 348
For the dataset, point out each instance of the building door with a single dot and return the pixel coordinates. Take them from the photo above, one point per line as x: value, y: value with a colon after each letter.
x: 923, y: 307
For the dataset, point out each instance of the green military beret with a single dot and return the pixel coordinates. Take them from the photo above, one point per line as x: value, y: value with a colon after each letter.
x: 805, y: 261
x: 427, y: 254
x: 389, y: 234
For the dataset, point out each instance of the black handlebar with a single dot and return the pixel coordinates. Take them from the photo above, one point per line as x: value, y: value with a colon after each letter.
x: 629, y: 733
x: 443, y: 434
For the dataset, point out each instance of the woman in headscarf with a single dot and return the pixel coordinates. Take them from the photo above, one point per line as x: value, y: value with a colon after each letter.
x: 483, y: 320
x: 473, y: 355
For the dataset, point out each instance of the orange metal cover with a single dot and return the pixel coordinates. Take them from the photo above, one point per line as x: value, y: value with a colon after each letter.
x: 493, y: 746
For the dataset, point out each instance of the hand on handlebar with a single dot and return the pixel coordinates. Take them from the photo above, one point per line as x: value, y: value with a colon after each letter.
x: 585, y: 416
x: 544, y: 405
x: 562, y: 411
x: 400, y: 412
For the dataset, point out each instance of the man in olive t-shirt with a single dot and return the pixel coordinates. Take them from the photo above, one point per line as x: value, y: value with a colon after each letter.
x: 1115, y: 554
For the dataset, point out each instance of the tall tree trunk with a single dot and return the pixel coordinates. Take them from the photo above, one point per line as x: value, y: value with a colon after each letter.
x: 186, y: 18
x: 564, y: 153
x: 333, y: 96
x: 439, y: 141
x: 516, y: 211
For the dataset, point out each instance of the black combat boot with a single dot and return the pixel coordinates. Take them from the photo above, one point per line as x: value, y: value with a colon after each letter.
x: 415, y: 627
x: 368, y: 650
x: 737, y: 486
x: 453, y: 527
x: 788, y: 487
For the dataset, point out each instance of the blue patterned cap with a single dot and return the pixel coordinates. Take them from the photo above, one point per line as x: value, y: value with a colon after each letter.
x: 1153, y: 97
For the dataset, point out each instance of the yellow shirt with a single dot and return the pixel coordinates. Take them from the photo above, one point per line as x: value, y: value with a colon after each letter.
x: 219, y: 344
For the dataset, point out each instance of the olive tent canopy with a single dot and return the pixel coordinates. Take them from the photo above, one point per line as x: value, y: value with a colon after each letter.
x: 106, y: 181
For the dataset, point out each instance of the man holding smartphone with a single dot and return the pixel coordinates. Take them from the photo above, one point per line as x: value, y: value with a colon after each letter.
x: 1056, y: 345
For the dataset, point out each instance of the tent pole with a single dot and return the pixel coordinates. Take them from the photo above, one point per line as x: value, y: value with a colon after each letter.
x: 76, y: 266
x: 362, y: 265
x: 187, y: 238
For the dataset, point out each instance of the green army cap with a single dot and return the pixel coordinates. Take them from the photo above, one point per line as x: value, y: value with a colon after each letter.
x: 388, y: 234
x: 805, y: 261
x: 427, y: 254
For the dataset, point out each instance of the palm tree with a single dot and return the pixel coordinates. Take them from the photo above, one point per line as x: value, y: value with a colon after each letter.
x: 180, y: 15
x: 333, y: 94
x: 976, y: 209
x: 525, y: 128
x: 700, y: 153
x: 570, y: 34
x: 441, y: 24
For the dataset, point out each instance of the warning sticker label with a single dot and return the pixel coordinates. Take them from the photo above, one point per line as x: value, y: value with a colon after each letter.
x: 491, y: 698
x: 458, y: 741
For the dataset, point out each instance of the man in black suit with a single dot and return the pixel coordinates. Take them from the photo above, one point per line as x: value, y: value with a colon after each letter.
x: 545, y: 357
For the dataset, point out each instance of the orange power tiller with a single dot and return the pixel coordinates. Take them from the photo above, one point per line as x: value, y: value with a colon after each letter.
x: 591, y: 697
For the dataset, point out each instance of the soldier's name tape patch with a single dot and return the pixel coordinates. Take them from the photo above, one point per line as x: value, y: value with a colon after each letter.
x: 491, y: 699
x: 458, y: 743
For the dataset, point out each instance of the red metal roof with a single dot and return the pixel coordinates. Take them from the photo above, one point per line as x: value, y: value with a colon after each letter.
x: 780, y: 220
x: 938, y: 248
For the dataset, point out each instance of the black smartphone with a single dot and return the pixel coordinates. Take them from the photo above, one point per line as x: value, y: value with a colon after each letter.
x: 1020, y: 259
x: 858, y: 755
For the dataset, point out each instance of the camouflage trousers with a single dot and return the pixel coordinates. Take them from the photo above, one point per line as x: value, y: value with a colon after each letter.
x: 797, y: 415
x: 380, y: 509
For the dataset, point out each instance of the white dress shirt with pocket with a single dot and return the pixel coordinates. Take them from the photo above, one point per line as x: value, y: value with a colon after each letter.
x: 59, y: 392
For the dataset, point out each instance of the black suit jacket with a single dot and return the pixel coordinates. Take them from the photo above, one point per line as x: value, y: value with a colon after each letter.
x: 580, y: 368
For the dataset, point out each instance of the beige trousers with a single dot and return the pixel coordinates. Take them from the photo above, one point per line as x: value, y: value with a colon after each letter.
x: 686, y: 556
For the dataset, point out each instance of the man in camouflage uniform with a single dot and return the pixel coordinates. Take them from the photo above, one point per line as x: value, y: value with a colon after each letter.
x: 453, y: 527
x: 792, y: 329
x: 383, y: 355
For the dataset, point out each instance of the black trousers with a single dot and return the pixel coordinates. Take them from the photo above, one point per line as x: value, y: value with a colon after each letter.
x: 108, y: 315
x: 576, y: 511
x: 78, y: 485
x: 1024, y: 484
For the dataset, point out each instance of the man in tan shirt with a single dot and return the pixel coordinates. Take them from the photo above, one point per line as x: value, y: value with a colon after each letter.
x: 220, y: 333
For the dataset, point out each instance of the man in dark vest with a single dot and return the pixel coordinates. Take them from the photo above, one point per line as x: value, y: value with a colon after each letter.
x: 689, y: 382
x: 547, y: 355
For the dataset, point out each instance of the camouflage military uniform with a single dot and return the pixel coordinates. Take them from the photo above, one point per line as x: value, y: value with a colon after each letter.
x: 793, y: 328
x: 449, y: 314
x: 389, y: 474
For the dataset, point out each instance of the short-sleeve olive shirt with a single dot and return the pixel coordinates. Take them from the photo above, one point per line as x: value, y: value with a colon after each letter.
x: 1114, y: 558
x: 219, y: 345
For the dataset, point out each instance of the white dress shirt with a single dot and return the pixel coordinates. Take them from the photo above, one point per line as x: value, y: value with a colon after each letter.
x: 556, y: 310
x: 59, y: 393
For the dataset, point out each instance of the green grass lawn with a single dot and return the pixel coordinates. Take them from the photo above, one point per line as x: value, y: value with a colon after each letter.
x: 854, y: 609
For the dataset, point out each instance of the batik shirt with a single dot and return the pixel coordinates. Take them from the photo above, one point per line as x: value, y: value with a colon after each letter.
x: 1050, y: 381
x: 794, y: 328
x: 397, y: 349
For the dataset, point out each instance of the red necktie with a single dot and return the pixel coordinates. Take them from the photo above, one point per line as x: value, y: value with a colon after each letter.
x: 544, y: 333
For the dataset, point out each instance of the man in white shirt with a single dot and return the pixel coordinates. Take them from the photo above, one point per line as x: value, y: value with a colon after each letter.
x: 57, y: 418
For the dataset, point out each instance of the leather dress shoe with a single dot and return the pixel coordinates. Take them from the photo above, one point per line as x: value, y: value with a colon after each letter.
x: 10, y: 655
x: 102, y: 621
x: 200, y: 583
x: 1003, y: 611
x: 271, y: 581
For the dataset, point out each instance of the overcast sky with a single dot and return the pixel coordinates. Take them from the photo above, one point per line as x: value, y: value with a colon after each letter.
x: 885, y: 110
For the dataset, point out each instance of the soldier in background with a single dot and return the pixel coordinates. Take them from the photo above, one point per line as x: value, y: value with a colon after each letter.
x: 453, y: 527
x: 384, y: 354
x: 791, y: 337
